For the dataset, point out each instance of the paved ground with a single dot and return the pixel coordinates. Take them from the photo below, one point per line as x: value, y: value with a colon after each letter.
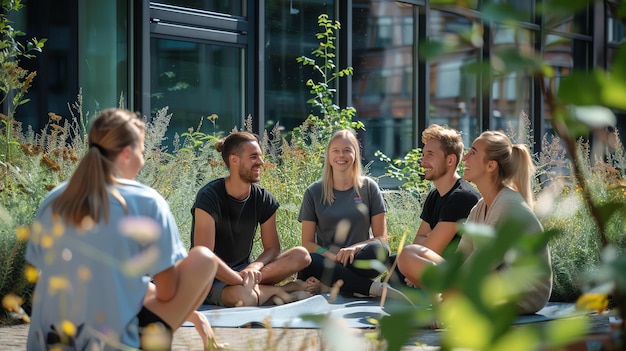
x: 240, y: 339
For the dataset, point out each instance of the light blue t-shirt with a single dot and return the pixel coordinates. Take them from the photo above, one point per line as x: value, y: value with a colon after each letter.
x: 96, y: 279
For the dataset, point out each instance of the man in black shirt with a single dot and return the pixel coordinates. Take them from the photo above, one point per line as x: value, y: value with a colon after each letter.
x: 448, y: 203
x: 225, y: 217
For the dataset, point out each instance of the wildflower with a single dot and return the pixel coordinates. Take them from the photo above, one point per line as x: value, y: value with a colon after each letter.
x: 22, y: 233
x: 31, y: 273
x: 592, y: 302
x: 28, y: 81
x: 12, y: 302
x: 154, y: 336
x: 57, y: 229
x: 56, y: 283
x: 53, y: 116
x: 212, y: 117
x: 57, y: 127
x: 68, y: 328
x: 84, y: 273
x: 46, y: 241
x: 46, y: 160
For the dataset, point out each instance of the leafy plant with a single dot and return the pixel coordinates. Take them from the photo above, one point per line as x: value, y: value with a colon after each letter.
x: 333, y: 117
x: 14, y: 80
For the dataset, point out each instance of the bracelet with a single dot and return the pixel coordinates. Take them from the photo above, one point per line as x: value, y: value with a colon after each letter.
x: 321, y: 250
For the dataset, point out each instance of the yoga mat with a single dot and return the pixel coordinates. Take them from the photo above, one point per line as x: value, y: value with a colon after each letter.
x: 354, y: 312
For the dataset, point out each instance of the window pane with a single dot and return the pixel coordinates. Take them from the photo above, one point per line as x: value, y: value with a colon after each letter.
x: 103, y: 53
x: 523, y: 8
x: 615, y: 31
x: 453, y: 97
x: 382, y: 83
x: 511, y: 93
x: 563, y: 54
x: 224, y: 6
x: 195, y: 80
x: 568, y: 23
x: 290, y: 33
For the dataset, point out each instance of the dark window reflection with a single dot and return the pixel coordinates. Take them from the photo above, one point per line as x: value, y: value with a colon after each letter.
x: 194, y: 81
x: 510, y: 92
x: 453, y: 95
x: 383, y: 77
x: 290, y: 32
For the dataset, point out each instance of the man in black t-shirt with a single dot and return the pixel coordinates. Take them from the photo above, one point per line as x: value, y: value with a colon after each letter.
x: 448, y: 203
x: 225, y: 217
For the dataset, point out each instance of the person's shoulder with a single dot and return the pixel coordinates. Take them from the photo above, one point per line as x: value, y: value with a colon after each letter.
x: 466, y: 189
x: 259, y: 190
x: 213, y: 185
x: 367, y: 180
x: 137, y: 189
x: 316, y: 185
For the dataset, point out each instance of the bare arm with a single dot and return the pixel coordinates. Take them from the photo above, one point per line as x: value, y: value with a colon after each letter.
x: 204, y: 234
x: 438, y: 238
x: 308, y: 239
x: 270, y: 241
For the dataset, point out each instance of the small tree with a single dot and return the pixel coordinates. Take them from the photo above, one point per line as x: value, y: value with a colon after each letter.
x: 332, y: 117
x: 14, y: 80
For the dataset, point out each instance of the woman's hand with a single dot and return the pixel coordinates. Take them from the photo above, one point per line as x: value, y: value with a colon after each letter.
x: 204, y: 330
x: 346, y: 255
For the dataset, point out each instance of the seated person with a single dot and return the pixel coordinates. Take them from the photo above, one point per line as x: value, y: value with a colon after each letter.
x: 343, y: 220
x: 225, y: 217
x: 448, y: 203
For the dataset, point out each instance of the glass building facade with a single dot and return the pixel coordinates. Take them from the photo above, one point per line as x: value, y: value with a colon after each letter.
x: 237, y: 59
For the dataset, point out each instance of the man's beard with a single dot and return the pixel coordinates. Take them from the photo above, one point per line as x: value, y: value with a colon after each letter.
x: 247, y: 176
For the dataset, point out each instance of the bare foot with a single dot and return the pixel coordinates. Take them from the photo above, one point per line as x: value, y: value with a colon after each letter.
x: 315, y: 286
x: 295, y: 285
x: 283, y: 298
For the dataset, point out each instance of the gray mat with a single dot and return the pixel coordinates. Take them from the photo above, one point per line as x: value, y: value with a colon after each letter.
x: 355, y: 312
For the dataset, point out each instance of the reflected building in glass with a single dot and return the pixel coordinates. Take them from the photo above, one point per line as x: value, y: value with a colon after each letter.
x: 238, y: 59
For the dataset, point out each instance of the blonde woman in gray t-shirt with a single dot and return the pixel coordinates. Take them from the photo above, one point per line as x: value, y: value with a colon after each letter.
x: 343, y: 220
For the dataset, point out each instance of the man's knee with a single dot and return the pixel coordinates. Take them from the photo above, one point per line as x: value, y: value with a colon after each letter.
x: 299, y: 256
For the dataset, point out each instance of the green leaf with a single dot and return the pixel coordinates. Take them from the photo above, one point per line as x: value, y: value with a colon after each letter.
x: 595, y: 117
x: 600, y: 89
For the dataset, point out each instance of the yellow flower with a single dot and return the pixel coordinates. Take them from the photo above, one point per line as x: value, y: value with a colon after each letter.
x: 46, y: 241
x: 22, y: 233
x: 154, y: 336
x: 57, y: 229
x: 68, y: 328
x: 57, y: 283
x: 31, y: 273
x: 12, y: 302
x: 84, y: 273
x: 592, y: 302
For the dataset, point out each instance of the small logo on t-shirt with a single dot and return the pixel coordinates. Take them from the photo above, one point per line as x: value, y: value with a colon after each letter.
x: 358, y: 200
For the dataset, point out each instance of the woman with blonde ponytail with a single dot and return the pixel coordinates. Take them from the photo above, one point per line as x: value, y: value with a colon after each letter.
x: 113, y: 271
